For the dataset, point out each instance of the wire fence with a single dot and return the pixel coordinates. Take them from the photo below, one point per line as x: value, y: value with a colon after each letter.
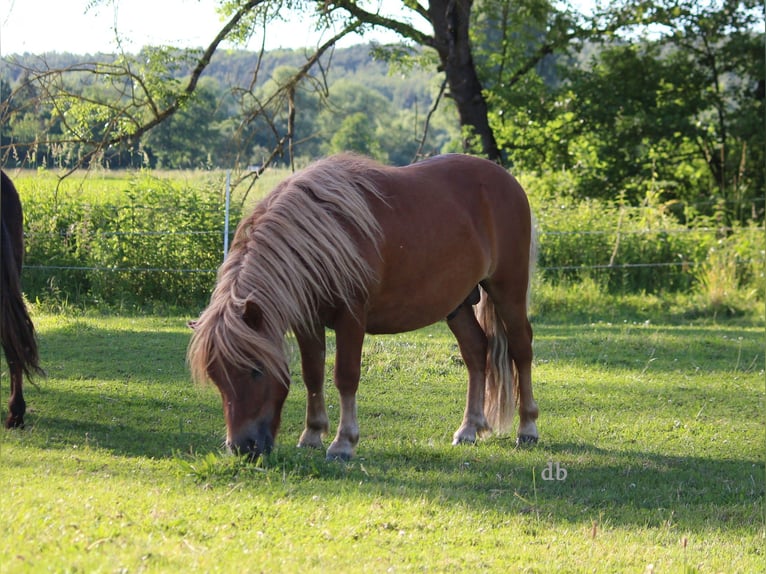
x: 166, y: 247
x: 541, y: 236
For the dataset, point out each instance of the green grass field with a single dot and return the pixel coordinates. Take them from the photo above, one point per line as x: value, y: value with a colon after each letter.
x: 659, y: 430
x: 108, y: 186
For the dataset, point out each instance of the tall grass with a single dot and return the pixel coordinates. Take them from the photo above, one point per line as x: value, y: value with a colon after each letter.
x: 653, y: 250
x: 148, y: 241
x: 154, y: 240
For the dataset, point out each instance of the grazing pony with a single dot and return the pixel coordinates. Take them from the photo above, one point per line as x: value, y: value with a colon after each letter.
x: 17, y: 332
x: 358, y: 247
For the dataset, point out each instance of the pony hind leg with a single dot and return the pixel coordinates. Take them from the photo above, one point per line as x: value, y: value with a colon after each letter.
x: 473, y: 348
x: 512, y: 335
x: 519, y: 333
x: 521, y: 351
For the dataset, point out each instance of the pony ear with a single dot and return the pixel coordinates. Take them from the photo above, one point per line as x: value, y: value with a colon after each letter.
x: 253, y: 316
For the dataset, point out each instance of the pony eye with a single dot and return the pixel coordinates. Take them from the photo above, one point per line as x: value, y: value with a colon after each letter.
x: 257, y: 372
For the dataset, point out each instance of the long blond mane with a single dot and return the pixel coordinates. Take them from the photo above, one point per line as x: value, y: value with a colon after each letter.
x: 297, y: 251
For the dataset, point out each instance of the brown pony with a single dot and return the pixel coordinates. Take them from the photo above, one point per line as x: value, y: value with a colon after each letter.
x: 359, y: 247
x: 17, y: 332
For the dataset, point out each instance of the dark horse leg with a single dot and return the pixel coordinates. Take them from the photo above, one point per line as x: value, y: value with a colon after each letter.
x: 473, y: 348
x: 16, y: 404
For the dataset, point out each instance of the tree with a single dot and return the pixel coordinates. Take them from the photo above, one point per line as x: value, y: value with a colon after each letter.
x: 148, y: 96
x: 721, y: 55
x: 631, y: 118
x: 356, y: 133
x: 188, y: 138
x: 452, y: 23
x: 675, y: 112
x: 144, y: 93
x: 516, y: 46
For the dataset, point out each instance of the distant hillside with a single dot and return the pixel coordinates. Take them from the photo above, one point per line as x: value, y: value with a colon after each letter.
x: 355, y: 101
x: 237, y: 67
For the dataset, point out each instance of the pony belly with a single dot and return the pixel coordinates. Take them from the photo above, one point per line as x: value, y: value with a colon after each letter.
x: 410, y: 314
x: 392, y: 325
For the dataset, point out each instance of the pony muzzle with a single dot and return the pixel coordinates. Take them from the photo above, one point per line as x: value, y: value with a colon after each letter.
x: 255, y: 441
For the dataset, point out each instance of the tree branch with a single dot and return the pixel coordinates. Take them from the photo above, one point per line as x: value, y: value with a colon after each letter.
x: 428, y: 120
x: 160, y: 115
x: 375, y: 19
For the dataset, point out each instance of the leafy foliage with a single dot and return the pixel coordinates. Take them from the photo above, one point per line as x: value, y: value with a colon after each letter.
x: 662, y: 98
x: 235, y: 116
x: 671, y: 110
x: 156, y: 242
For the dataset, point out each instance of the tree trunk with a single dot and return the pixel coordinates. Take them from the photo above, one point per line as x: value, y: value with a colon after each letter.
x: 451, y: 20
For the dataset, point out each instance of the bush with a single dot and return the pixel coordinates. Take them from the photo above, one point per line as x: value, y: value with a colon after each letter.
x: 158, y: 242
x: 732, y: 275
x: 631, y: 249
x: 155, y: 242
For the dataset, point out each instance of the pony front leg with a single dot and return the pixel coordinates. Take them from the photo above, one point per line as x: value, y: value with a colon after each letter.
x: 312, y: 348
x: 344, y: 445
x: 349, y: 333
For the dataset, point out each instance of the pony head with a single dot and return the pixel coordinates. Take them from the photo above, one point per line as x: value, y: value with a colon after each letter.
x: 296, y: 254
x: 247, y: 363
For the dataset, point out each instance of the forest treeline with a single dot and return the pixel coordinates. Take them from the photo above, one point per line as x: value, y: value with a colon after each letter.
x: 353, y: 101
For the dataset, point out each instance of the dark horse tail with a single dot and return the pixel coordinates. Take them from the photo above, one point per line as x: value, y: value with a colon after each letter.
x: 17, y: 331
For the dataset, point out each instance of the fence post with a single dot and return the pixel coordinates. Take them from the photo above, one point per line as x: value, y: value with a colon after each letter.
x: 226, y: 215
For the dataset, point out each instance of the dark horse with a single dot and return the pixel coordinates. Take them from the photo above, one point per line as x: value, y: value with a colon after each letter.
x: 359, y: 247
x: 17, y: 332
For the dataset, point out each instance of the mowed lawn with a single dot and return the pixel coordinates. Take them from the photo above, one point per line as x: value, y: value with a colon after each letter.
x: 653, y: 436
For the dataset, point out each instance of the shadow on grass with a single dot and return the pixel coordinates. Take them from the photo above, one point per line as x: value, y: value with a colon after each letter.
x: 623, y: 488
x: 127, y: 392
x: 155, y: 424
x: 584, y: 483
x: 723, y: 348
x: 79, y: 350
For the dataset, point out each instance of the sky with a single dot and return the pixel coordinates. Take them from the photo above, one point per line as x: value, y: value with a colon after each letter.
x: 38, y: 26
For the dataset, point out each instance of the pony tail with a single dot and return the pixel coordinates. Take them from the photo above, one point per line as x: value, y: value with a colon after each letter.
x: 501, y: 384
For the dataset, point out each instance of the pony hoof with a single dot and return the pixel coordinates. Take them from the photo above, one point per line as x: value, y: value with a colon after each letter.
x: 311, y: 439
x: 341, y: 456
x: 469, y: 433
x: 458, y: 440
x: 14, y: 422
x: 526, y: 440
x: 310, y: 446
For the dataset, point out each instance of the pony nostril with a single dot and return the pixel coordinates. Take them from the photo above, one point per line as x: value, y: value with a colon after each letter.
x: 246, y: 447
x: 251, y: 448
